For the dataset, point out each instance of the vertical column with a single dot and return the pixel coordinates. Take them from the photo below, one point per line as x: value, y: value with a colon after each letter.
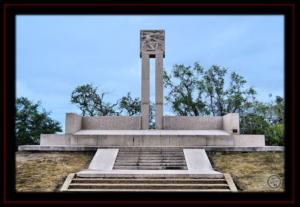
x: 145, y: 90
x: 159, y: 90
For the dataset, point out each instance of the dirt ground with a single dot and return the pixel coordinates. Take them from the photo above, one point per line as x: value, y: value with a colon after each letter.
x: 46, y: 171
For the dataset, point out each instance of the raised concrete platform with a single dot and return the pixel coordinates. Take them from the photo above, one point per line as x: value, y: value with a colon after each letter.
x: 152, y: 138
x: 152, y: 133
x: 62, y: 148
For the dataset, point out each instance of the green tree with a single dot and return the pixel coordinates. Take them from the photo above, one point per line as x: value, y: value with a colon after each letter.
x: 131, y: 106
x: 195, y: 91
x: 275, y: 135
x: 90, y: 102
x: 267, y: 119
x: 278, y: 110
x: 185, y: 87
x: 31, y: 122
x: 214, y: 88
x: 252, y: 123
x: 239, y: 98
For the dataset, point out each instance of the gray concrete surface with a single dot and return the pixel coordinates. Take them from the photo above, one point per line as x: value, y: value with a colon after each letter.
x: 73, y: 123
x: 197, y: 160
x: 145, y: 91
x: 154, y: 132
x: 249, y: 140
x: 192, y: 123
x: 148, y: 173
x: 55, y: 139
x: 111, y: 123
x: 104, y: 159
x: 231, y: 121
x: 65, y: 148
x: 159, y: 91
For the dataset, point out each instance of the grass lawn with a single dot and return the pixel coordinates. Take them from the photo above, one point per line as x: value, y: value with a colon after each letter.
x: 46, y: 171
x: 250, y: 170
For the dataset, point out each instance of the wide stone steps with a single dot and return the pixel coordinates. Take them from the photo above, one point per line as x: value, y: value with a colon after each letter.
x: 149, y: 181
x: 150, y: 159
x: 144, y: 184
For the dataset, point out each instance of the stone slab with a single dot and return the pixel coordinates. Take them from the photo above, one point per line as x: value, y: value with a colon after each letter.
x: 87, y: 141
x: 159, y: 96
x: 231, y: 121
x: 152, y: 42
x: 249, y: 140
x: 73, y: 123
x: 154, y: 132
x: 147, y: 173
x: 192, y: 123
x: 63, y: 148
x: 104, y: 159
x: 197, y: 160
x: 55, y: 139
x: 111, y: 123
x: 220, y: 140
x: 145, y: 109
x: 159, y: 116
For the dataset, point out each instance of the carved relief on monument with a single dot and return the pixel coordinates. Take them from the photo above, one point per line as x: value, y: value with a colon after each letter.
x: 152, y: 42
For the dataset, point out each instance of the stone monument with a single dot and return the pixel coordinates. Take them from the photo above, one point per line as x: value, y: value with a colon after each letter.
x: 152, y: 45
x: 92, y: 132
x: 131, y: 154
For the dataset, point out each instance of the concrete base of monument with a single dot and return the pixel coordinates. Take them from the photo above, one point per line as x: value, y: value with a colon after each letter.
x: 80, y: 148
x: 152, y: 138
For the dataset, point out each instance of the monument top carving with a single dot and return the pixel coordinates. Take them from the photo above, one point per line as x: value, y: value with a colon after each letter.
x: 152, y: 42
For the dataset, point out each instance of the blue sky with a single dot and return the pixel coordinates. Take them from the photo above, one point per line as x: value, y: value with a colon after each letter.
x: 57, y: 53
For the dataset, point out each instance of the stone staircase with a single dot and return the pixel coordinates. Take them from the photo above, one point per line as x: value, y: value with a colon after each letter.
x: 148, y: 184
x: 149, y: 169
x: 150, y: 159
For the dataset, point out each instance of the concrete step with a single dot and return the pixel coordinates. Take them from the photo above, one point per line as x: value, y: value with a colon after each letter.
x: 153, y: 181
x: 150, y: 154
x: 146, y: 186
x: 150, y: 163
x: 143, y: 167
x: 149, y: 190
x: 150, y: 159
x: 142, y: 184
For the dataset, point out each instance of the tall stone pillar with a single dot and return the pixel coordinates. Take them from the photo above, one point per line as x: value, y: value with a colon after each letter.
x: 159, y: 90
x: 145, y: 90
x: 152, y: 45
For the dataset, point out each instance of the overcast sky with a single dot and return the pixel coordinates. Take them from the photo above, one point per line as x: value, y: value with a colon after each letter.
x: 57, y: 53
